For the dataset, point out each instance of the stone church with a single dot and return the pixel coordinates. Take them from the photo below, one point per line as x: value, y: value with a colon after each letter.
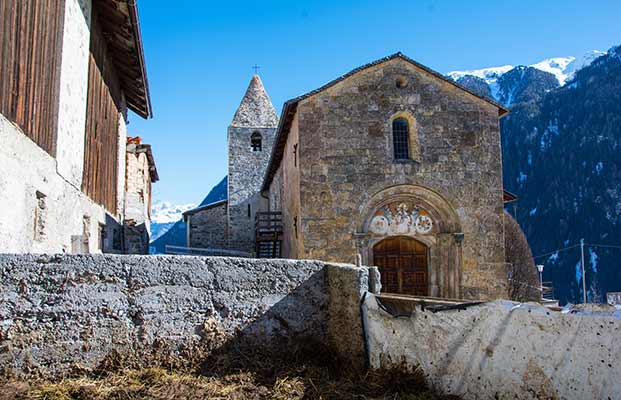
x: 392, y: 163
x: 230, y: 224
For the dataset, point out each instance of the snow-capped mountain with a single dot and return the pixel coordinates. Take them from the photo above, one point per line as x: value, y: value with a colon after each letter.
x: 164, y: 215
x: 175, y: 233
x: 164, y: 211
x: 563, y: 68
x: 561, y: 157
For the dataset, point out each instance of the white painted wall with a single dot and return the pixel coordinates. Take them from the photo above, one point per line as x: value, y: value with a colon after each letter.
x: 73, y: 90
x: 502, y: 350
x: 26, y: 169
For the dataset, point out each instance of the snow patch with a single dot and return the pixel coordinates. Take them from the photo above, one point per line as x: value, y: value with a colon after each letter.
x: 553, y: 258
x: 579, y: 274
x: 594, y: 259
x: 599, y: 167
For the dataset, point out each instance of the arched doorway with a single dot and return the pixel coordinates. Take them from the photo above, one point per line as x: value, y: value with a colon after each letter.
x: 402, y: 262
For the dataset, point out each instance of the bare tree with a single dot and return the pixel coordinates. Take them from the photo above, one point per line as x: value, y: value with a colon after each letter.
x: 523, y: 276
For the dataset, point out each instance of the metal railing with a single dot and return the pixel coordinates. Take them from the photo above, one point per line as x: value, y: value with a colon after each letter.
x: 201, y: 251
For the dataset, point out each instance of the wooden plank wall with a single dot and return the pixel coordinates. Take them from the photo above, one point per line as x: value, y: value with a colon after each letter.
x: 102, y: 125
x: 30, y: 54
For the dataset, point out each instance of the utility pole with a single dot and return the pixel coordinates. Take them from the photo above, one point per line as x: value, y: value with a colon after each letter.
x: 584, y: 296
x: 540, y: 269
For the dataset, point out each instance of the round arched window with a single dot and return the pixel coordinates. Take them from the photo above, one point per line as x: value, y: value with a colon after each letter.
x: 256, y: 142
x: 400, y: 137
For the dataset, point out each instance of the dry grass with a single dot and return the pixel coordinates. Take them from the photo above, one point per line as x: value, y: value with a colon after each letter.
x: 233, y: 374
x: 157, y: 383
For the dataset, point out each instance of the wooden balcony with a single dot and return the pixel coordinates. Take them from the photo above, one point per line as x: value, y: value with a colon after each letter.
x: 268, y: 234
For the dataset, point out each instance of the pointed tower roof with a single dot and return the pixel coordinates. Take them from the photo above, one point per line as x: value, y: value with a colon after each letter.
x: 256, y: 109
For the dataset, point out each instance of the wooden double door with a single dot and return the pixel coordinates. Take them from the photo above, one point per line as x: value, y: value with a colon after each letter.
x: 402, y: 262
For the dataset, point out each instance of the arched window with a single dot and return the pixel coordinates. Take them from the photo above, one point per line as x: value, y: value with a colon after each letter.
x: 400, y: 139
x: 255, y: 141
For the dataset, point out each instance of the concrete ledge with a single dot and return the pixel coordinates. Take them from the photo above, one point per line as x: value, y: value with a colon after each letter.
x: 502, y: 349
x: 66, y: 312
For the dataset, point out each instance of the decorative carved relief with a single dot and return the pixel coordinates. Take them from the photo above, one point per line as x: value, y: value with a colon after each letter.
x: 401, y: 218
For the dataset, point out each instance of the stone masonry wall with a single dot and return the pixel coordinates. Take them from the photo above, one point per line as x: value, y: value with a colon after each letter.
x: 208, y: 228
x: 502, y: 350
x: 346, y: 156
x: 137, y: 224
x: 246, y: 173
x: 64, y: 313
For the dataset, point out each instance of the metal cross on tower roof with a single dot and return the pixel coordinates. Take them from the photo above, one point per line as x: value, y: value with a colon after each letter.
x: 256, y: 69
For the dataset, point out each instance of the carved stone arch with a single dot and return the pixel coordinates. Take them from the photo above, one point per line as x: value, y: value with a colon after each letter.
x: 413, y: 140
x: 444, y: 213
x: 443, y: 241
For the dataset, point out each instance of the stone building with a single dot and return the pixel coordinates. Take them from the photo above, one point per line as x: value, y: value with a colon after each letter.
x: 398, y: 165
x: 140, y: 174
x: 230, y: 224
x: 65, y: 91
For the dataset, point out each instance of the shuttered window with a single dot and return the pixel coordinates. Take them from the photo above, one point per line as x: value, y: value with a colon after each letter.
x: 102, y: 125
x: 30, y: 53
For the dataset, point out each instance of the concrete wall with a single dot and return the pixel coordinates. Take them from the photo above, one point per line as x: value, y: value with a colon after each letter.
x: 43, y: 209
x: 502, y: 350
x: 62, y: 313
x: 346, y: 163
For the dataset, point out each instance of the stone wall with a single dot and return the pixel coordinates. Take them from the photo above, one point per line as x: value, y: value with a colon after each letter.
x: 347, y: 164
x: 137, y: 224
x: 246, y: 172
x: 64, y: 313
x: 207, y: 228
x: 502, y: 349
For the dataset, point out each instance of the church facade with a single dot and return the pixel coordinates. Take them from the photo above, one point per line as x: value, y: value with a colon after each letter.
x: 402, y: 166
x: 393, y: 164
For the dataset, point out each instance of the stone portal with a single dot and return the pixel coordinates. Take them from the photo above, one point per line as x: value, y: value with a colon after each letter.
x: 414, y: 235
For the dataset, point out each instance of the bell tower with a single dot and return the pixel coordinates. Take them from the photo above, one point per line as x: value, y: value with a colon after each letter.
x: 251, y: 137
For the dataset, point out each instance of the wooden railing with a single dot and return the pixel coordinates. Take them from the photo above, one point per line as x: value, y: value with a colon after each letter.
x: 268, y: 223
x: 547, y: 291
x: 268, y: 231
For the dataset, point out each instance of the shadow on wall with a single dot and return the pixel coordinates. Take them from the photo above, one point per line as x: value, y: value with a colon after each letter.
x: 293, y: 328
x: 103, y: 312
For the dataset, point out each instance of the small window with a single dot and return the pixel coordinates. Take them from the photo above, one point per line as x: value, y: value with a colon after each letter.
x: 255, y: 142
x: 401, y: 82
x: 249, y: 211
x: 40, y: 216
x: 400, y: 138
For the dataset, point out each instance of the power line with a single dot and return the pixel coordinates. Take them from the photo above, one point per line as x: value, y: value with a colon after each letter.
x: 557, y: 250
x: 611, y: 246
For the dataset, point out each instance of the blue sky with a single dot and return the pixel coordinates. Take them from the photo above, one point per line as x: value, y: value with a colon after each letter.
x: 200, y: 55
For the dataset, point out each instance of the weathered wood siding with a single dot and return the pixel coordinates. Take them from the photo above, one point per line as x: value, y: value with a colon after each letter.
x: 102, y: 125
x: 30, y: 47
